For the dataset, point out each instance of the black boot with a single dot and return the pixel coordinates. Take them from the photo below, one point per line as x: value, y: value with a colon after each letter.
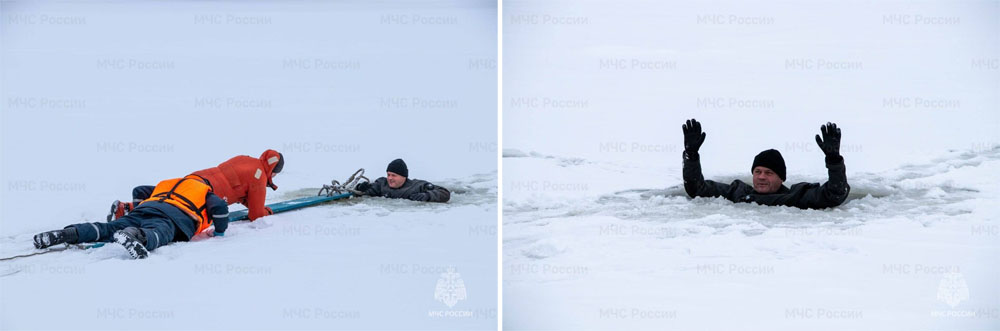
x: 48, y: 239
x: 134, y: 242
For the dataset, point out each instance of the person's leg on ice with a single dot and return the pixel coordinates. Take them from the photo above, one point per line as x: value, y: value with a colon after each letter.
x: 154, y: 231
x: 84, y: 232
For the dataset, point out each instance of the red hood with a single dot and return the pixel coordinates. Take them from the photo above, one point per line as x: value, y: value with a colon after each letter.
x: 269, y: 159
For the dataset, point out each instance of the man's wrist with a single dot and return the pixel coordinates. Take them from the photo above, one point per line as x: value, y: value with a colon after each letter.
x: 691, y: 155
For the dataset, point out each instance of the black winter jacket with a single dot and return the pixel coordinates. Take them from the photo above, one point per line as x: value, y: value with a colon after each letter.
x: 801, y: 195
x: 413, y: 189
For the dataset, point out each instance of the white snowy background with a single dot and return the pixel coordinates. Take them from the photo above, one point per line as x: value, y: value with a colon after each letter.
x: 100, y: 96
x: 598, y: 233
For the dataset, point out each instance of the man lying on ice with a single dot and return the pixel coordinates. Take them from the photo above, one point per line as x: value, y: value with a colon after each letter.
x: 177, y: 210
x: 396, y: 185
x: 768, y: 171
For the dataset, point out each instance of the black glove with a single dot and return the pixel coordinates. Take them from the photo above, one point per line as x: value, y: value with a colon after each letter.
x: 422, y: 196
x: 830, y: 144
x: 693, y: 137
x: 363, y: 187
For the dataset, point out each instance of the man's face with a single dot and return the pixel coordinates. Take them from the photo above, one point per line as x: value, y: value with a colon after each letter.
x: 395, y: 180
x: 765, y: 181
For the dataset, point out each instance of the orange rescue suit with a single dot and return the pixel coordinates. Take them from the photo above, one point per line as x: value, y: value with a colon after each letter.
x: 244, y: 179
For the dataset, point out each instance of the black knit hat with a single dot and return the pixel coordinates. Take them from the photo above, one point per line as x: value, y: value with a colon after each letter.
x: 399, y: 167
x: 770, y: 159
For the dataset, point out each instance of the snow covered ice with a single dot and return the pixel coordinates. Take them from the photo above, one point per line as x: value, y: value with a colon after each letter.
x: 599, y: 234
x: 99, y: 97
x: 603, y: 256
x: 352, y: 263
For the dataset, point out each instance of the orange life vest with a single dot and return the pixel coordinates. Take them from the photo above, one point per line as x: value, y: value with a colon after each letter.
x: 187, y: 194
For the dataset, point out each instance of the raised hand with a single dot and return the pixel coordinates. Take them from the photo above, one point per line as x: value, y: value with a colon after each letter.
x: 693, y: 137
x: 830, y: 143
